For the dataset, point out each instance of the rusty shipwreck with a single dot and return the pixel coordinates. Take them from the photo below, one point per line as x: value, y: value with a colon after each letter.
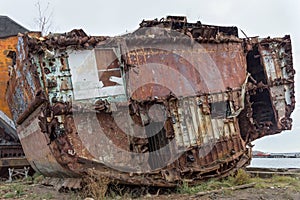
x: 171, y: 101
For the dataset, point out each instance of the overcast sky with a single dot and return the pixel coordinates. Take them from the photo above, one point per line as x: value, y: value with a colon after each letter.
x: 114, y: 17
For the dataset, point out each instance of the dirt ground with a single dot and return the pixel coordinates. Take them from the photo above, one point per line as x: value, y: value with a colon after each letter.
x: 241, y: 186
x: 37, y: 191
x: 243, y: 194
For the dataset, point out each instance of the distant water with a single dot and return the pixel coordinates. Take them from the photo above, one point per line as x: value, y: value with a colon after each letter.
x: 275, y: 162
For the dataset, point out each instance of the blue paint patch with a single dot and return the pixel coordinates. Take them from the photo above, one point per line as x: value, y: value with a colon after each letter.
x: 30, y: 83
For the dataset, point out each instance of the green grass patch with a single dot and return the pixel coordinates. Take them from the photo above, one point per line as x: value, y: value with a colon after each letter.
x: 240, y: 178
x: 9, y: 195
x: 37, y: 178
x: 13, y: 190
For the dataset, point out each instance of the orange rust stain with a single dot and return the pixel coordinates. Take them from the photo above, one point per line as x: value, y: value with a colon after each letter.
x: 6, y: 45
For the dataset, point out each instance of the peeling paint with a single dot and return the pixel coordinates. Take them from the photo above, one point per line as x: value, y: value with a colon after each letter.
x: 169, y: 102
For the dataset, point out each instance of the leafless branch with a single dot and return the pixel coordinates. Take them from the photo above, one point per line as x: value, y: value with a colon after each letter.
x: 44, y: 19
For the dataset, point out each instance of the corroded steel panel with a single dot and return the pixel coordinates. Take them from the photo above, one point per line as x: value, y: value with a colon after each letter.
x: 171, y: 101
x: 206, y: 69
x: 16, y: 162
x: 6, y: 45
x: 147, y: 79
x: 26, y: 92
x: 37, y: 149
x: 276, y: 57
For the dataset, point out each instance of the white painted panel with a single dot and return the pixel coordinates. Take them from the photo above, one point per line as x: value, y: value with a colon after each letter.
x: 287, y: 94
x: 196, y: 122
x: 183, y: 127
x: 215, y: 131
x: 85, y: 77
x: 269, y: 65
x: 84, y: 74
x: 111, y: 91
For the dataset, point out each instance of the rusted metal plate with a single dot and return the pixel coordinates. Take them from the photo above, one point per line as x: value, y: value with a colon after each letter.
x: 271, y: 98
x: 14, y: 162
x: 182, y: 67
x: 171, y: 101
x: 26, y: 91
x: 36, y: 146
x: 196, y: 127
x: 276, y: 57
x: 11, y: 152
x: 6, y: 45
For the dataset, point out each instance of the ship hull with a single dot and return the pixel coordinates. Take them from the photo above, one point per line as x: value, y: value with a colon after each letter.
x: 155, y: 107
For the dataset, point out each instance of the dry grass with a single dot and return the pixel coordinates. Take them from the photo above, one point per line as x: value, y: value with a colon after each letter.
x: 241, y: 178
x: 99, y: 187
x: 94, y: 186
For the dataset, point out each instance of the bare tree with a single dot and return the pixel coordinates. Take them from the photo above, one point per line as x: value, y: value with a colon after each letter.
x: 44, y: 19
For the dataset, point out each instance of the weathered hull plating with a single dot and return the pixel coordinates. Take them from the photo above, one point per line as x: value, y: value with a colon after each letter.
x: 172, y: 101
x: 6, y: 45
x: 11, y: 153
